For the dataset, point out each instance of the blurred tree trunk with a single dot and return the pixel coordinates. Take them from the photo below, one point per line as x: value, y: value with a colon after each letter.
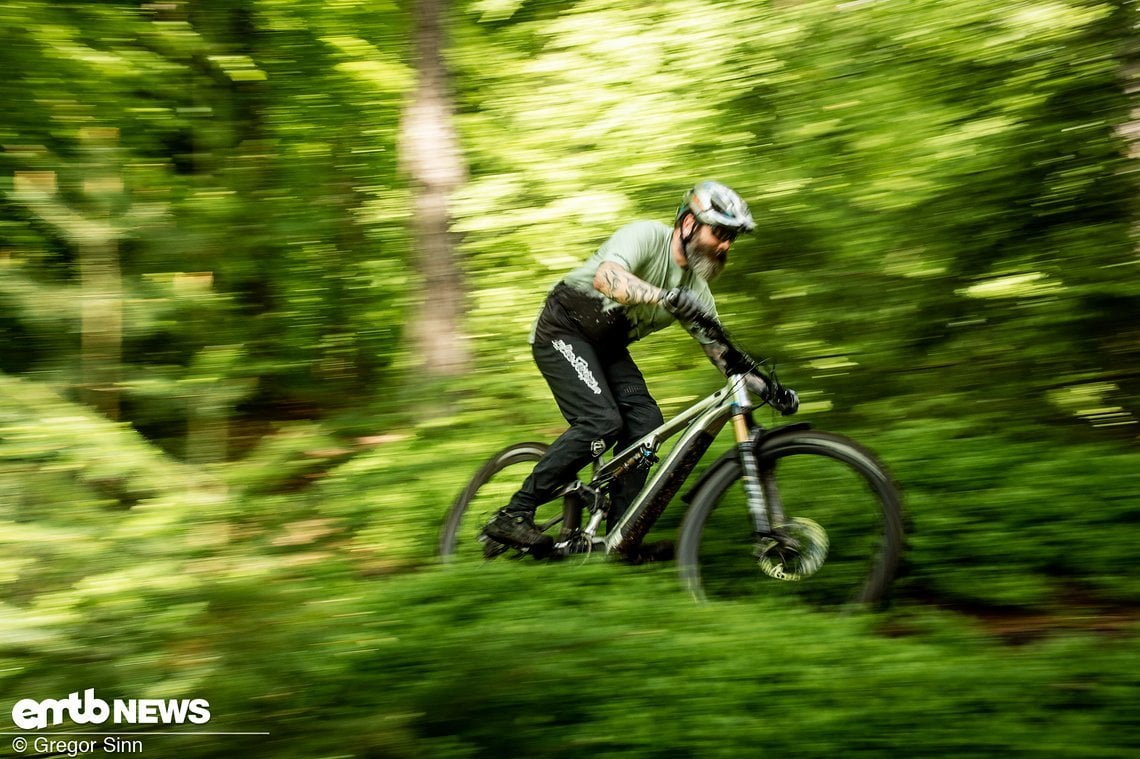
x: 430, y: 154
x: 1132, y: 87
x: 101, y: 299
x: 1131, y: 77
x: 93, y: 232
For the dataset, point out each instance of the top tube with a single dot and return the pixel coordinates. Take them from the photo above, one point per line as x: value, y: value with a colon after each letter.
x: 670, y: 428
x: 737, y: 363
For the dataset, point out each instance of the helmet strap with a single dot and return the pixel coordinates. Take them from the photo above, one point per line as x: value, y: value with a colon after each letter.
x: 685, y: 239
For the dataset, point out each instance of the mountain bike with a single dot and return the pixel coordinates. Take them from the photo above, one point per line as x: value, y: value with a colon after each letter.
x: 813, y: 511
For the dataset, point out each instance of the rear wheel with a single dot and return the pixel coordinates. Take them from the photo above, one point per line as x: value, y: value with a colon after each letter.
x: 490, y: 490
x: 840, y: 506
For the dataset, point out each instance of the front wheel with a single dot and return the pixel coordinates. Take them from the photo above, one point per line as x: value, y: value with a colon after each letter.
x: 834, y: 493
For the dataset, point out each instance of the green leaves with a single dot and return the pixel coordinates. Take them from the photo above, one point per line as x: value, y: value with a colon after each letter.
x: 945, y: 268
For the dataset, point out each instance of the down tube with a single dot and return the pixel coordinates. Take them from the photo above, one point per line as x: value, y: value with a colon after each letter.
x: 668, y: 479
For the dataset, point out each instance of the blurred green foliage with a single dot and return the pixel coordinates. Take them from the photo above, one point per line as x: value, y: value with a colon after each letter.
x: 945, y: 268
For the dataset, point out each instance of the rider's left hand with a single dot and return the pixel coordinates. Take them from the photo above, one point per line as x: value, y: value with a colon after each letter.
x: 783, y: 399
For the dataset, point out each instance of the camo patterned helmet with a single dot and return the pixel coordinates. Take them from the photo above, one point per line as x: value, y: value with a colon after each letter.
x: 717, y: 205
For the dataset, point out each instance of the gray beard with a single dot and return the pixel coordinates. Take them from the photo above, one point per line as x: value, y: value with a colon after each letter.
x: 705, y: 267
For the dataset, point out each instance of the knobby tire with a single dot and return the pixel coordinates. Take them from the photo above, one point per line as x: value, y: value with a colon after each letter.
x: 787, y: 453
x: 462, y: 527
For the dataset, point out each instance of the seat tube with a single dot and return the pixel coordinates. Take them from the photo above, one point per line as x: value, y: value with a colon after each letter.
x: 572, y: 505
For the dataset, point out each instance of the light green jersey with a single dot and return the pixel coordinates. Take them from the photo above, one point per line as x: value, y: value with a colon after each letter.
x: 643, y: 249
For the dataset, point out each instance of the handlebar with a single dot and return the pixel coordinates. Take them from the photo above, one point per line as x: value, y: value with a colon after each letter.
x: 782, y: 399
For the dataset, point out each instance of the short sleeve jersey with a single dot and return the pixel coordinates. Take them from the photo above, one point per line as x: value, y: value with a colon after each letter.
x: 642, y: 248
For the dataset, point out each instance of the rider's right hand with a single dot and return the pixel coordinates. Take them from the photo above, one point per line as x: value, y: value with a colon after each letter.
x: 682, y: 304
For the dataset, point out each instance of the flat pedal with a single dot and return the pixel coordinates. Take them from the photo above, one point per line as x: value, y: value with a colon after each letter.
x: 491, y: 547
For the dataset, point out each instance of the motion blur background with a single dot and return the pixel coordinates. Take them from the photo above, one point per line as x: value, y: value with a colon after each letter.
x: 267, y: 269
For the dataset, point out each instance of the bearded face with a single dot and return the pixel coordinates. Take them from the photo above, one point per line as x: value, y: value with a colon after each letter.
x: 703, y: 254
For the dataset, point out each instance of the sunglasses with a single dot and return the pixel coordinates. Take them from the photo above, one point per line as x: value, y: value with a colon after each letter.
x: 724, y: 234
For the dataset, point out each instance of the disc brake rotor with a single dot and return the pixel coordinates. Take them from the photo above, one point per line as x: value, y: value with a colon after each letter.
x: 798, y: 558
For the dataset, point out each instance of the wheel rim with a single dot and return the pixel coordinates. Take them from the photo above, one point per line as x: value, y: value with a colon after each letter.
x: 852, y: 504
x: 462, y: 540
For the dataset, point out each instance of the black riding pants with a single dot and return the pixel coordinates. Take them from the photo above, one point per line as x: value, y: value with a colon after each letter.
x: 603, y: 396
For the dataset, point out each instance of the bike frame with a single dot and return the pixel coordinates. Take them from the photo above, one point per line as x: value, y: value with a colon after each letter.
x: 699, y: 426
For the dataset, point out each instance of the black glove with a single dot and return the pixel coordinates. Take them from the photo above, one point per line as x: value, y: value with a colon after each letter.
x: 785, y: 400
x: 682, y: 304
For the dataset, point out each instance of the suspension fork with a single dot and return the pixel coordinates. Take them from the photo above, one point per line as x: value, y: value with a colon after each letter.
x: 759, y: 478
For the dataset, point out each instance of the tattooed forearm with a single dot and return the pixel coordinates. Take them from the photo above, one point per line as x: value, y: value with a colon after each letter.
x: 718, y: 354
x: 615, y: 282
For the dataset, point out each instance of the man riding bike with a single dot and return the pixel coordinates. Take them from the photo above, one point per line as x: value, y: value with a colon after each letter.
x: 645, y: 276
